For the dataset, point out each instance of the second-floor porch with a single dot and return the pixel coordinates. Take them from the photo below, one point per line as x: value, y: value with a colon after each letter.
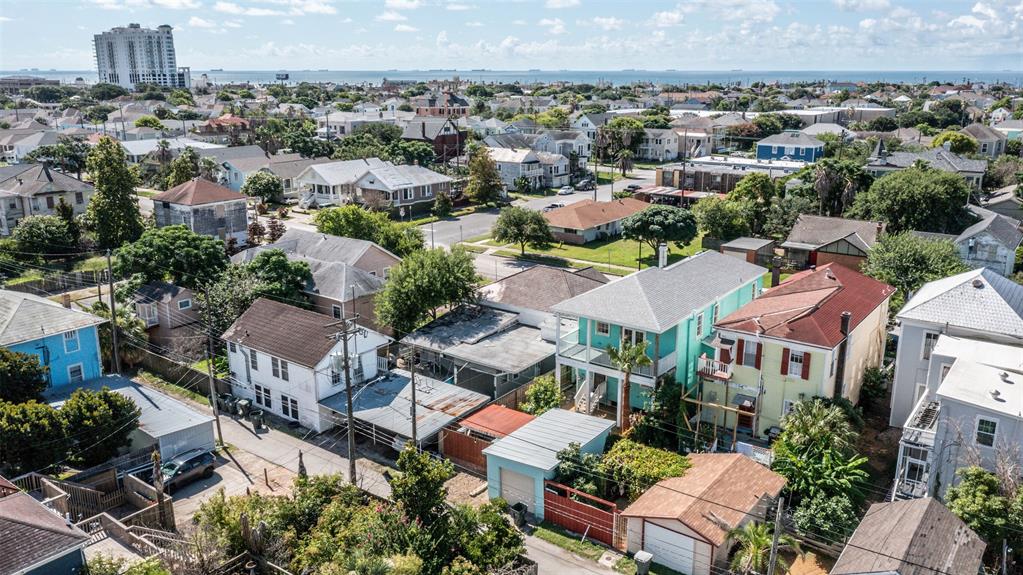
x: 916, y: 451
x: 582, y: 355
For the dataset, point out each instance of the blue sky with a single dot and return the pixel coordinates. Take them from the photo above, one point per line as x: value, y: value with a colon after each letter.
x: 522, y: 34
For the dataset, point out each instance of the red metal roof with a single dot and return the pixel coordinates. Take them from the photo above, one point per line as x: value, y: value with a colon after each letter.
x: 496, y: 420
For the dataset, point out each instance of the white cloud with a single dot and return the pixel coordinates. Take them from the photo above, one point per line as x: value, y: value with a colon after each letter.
x: 232, y: 8
x: 391, y: 16
x: 300, y: 7
x: 603, y: 22
x: 520, y: 22
x: 346, y: 20
x: 861, y: 5
x: 459, y: 7
x: 442, y: 39
x: 197, y: 22
x: 474, y: 24
x: 746, y: 10
x: 553, y: 25
x: 559, y: 4
x: 403, y: 4
x: 177, y: 4
x: 669, y: 18
x: 6, y: 19
x: 405, y: 28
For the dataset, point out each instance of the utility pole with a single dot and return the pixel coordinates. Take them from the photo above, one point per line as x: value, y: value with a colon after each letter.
x: 348, y: 327
x: 212, y: 380
x: 777, y: 534
x: 115, y: 356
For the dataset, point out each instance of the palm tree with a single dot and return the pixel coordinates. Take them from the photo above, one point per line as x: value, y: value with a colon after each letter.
x: 163, y: 154
x: 626, y: 358
x: 131, y: 332
x: 824, y: 181
x: 815, y: 424
x: 753, y: 548
x: 207, y: 167
x: 625, y: 161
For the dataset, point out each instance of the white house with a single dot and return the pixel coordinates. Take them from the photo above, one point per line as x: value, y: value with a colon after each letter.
x: 556, y: 169
x: 286, y: 359
x: 658, y: 145
x: 370, y: 181
x: 515, y: 163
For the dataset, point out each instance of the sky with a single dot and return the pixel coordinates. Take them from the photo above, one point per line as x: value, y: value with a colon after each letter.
x: 984, y: 35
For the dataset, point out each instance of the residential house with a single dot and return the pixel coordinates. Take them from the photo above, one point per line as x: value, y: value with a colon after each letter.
x: 447, y: 140
x: 226, y: 129
x: 205, y: 208
x: 671, y: 307
x: 882, y: 162
x: 372, y: 182
x: 519, y: 464
x: 990, y: 142
x: 445, y: 104
x: 145, y: 151
x: 288, y: 371
x: 979, y: 304
x: 556, y: 169
x: 684, y: 521
x: 515, y: 163
x: 347, y: 273
x: 991, y: 242
x: 790, y: 145
x: 538, y: 142
x: 340, y: 124
x: 36, y: 190
x: 483, y: 127
x: 818, y: 240
x: 65, y: 341
x: 164, y: 308
x: 910, y: 538
x: 812, y: 336
x: 758, y: 251
x: 586, y: 220
x: 532, y: 292
x: 1005, y: 201
x: 711, y: 178
x: 36, y: 539
x: 1000, y: 114
x: 237, y: 163
x: 1013, y: 129
x: 658, y: 145
x: 288, y: 172
x: 570, y: 143
x: 968, y: 414
x: 464, y: 446
x: 815, y: 130
x: 589, y: 123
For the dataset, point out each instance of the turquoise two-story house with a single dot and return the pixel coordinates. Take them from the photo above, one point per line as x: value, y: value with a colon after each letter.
x: 66, y: 341
x: 672, y: 307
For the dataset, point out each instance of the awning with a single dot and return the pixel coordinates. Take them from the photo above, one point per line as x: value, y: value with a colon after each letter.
x: 742, y: 400
x: 719, y: 341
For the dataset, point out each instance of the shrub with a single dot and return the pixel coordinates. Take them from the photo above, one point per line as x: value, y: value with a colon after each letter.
x: 636, y: 467
x: 826, y: 518
x: 542, y: 396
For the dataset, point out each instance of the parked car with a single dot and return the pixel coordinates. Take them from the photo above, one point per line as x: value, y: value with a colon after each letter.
x: 553, y: 206
x: 186, y: 467
x: 584, y: 185
x: 566, y: 190
x: 633, y: 187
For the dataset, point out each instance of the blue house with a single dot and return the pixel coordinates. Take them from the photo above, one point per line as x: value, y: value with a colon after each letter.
x: 66, y: 341
x: 790, y: 145
x: 673, y: 308
x: 519, y: 463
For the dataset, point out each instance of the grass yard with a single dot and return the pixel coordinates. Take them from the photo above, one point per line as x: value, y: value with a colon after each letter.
x: 616, y: 252
x: 146, y: 193
x: 153, y: 380
x: 781, y: 278
x: 93, y: 264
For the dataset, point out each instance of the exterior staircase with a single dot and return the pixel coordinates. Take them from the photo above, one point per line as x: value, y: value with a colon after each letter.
x: 588, y: 405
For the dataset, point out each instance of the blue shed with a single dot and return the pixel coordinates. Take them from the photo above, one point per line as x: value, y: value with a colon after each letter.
x: 790, y: 145
x: 518, y: 463
x: 66, y: 341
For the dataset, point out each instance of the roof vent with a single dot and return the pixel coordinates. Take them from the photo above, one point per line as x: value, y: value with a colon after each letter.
x: 1005, y: 377
x: 995, y: 394
x: 978, y: 284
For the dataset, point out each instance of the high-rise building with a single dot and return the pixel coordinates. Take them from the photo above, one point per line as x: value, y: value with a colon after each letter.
x: 137, y: 55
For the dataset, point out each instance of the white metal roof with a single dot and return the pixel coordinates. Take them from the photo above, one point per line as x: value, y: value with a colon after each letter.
x: 538, y: 442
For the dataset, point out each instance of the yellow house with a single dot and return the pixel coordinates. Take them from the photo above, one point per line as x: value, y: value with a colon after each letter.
x: 812, y: 336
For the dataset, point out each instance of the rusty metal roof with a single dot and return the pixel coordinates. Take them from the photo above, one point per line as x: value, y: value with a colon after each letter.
x: 496, y: 420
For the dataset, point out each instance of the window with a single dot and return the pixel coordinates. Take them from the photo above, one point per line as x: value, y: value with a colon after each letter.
x: 930, y: 339
x: 796, y: 363
x: 263, y: 397
x: 289, y: 406
x: 231, y: 346
x: 603, y: 328
x: 749, y: 353
x: 944, y: 370
x: 279, y: 367
x: 786, y: 406
x: 75, y: 373
x: 49, y: 202
x: 185, y: 304
x: 71, y: 341
x: 335, y: 310
x: 753, y: 291
x: 408, y: 194
x: 356, y: 368
x: 714, y: 314
x: 253, y: 360
x: 986, y: 430
x: 699, y: 326
x: 632, y: 335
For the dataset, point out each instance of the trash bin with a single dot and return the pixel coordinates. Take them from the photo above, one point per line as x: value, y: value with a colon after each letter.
x: 225, y: 402
x: 256, y: 416
x: 518, y: 513
x: 643, y: 560
x: 244, y: 406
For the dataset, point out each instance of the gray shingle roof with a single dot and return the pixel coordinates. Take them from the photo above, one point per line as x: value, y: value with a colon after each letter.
x: 811, y: 232
x: 538, y: 442
x: 1002, y: 228
x: 994, y: 304
x: 31, y: 179
x: 27, y: 317
x: 300, y: 336
x: 656, y: 299
x: 30, y: 533
x: 540, y: 287
x: 792, y: 138
x: 937, y: 158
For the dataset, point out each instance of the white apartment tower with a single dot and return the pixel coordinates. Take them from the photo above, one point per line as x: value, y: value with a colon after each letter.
x: 137, y: 55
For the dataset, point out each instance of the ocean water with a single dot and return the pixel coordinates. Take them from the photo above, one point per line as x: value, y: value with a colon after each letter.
x: 616, y: 77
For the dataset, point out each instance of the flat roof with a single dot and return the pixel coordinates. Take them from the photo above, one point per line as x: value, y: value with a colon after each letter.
x: 990, y: 388
x: 160, y: 415
x: 509, y: 351
x: 748, y: 243
x: 538, y: 442
x: 386, y: 402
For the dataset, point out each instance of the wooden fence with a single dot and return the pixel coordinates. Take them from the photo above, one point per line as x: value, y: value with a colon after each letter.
x: 580, y: 512
x: 464, y: 449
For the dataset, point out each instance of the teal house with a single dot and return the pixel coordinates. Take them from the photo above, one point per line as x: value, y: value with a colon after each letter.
x: 66, y: 341
x: 671, y: 307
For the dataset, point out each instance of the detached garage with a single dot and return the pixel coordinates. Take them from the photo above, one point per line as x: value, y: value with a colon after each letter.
x: 164, y: 421
x: 519, y: 463
x: 684, y: 521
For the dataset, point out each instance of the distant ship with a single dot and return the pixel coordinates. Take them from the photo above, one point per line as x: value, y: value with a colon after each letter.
x: 533, y: 70
x: 480, y: 70
x: 217, y: 70
x: 736, y: 70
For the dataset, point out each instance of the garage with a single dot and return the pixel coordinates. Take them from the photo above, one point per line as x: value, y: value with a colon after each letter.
x: 517, y: 488
x: 671, y: 549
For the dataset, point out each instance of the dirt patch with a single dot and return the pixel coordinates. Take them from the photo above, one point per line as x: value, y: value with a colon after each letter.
x: 808, y: 564
x: 461, y: 488
x: 880, y: 443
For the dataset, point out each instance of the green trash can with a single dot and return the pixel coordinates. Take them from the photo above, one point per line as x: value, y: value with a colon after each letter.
x: 257, y: 418
x: 244, y: 406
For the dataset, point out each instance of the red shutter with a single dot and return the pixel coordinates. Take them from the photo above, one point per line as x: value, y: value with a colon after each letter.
x: 740, y: 348
x: 785, y: 361
x: 806, y: 365
x: 726, y: 356
x: 760, y: 352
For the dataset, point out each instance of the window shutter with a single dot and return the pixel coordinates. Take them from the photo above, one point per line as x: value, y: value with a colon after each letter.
x: 760, y: 352
x: 726, y: 356
x: 806, y: 365
x: 785, y: 361
x: 740, y: 348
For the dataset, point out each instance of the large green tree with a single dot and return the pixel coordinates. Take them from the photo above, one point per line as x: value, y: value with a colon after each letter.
x: 958, y: 142
x: 48, y: 236
x: 979, y: 500
x: 485, y: 185
x: 113, y: 211
x: 660, y: 224
x: 422, y: 283
x: 756, y: 190
x: 99, y: 424
x: 68, y: 155
x: 264, y: 186
x: 753, y: 542
x: 185, y: 167
x: 522, y: 226
x: 280, y: 278
x: 723, y: 218
x: 174, y: 252
x: 918, y: 198
x: 353, y: 221
x: 149, y: 122
x: 131, y: 334
x: 22, y: 377
x: 627, y: 357
x: 908, y: 261
x: 32, y: 437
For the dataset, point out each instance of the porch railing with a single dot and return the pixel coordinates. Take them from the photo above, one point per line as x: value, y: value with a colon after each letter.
x: 713, y: 368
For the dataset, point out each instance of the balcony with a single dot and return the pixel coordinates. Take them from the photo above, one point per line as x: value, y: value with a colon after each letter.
x: 713, y: 368
x: 570, y: 348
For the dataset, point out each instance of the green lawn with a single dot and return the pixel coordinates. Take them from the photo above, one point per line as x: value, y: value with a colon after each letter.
x: 95, y: 263
x: 153, y: 380
x: 616, y: 252
x: 767, y: 279
x: 146, y: 193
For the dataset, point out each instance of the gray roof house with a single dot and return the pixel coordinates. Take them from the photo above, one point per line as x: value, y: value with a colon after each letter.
x: 917, y: 537
x: 34, y: 540
x: 817, y: 240
x: 35, y: 189
x: 991, y: 242
x: 990, y: 142
x: 882, y: 162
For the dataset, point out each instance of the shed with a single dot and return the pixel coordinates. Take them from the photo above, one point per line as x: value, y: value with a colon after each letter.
x: 164, y: 421
x: 475, y: 433
x: 519, y: 463
x: 754, y: 250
